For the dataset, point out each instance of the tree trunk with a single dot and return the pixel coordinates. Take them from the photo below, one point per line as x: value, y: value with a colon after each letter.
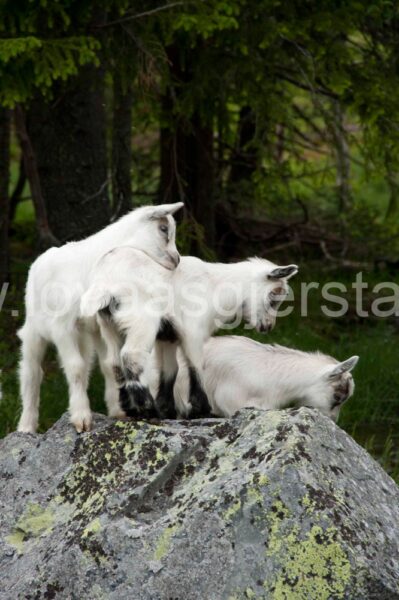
x: 243, y: 164
x: 342, y: 158
x: 201, y: 201
x: 244, y: 159
x: 122, y: 147
x: 187, y: 172
x: 46, y: 237
x: 69, y: 140
x: 4, y: 197
x: 187, y: 155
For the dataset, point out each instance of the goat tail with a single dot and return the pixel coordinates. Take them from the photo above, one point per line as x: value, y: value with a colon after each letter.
x: 95, y: 299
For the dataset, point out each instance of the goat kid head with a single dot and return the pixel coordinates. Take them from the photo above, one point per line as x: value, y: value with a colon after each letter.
x: 262, y: 300
x: 336, y: 386
x: 156, y: 235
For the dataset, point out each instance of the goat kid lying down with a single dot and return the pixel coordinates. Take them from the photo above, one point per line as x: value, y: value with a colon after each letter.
x: 239, y: 373
x: 140, y: 306
x: 56, y: 282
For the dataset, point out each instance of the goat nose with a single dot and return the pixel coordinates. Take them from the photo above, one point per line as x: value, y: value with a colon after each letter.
x: 175, y: 258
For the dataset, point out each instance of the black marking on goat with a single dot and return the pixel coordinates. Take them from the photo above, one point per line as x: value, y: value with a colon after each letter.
x: 341, y: 393
x: 198, y: 399
x: 165, y: 401
x: 136, y: 401
x: 167, y: 331
x: 120, y: 380
x: 132, y: 372
x: 108, y: 311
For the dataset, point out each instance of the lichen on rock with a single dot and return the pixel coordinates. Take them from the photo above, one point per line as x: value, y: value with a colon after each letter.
x: 279, y: 505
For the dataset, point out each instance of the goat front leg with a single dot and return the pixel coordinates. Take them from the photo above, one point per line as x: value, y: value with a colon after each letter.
x: 135, y: 396
x: 167, y: 367
x: 192, y: 347
x: 76, y: 353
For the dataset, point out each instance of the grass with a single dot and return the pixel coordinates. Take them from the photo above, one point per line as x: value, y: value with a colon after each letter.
x: 371, y: 416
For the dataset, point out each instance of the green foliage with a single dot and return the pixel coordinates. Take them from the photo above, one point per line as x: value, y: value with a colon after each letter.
x: 36, y: 64
x: 208, y: 19
x: 42, y: 43
x: 190, y: 232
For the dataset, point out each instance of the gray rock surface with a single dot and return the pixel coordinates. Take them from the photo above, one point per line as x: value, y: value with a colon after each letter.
x: 265, y: 505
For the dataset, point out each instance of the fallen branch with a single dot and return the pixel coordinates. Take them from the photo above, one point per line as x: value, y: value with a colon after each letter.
x: 343, y: 262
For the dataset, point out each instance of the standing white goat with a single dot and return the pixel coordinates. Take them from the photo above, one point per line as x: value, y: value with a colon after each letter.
x: 139, y: 305
x: 239, y: 373
x: 56, y: 282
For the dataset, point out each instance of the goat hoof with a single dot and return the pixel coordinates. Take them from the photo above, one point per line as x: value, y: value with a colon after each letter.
x: 165, y: 406
x: 137, y: 402
x: 82, y: 421
x: 200, y: 408
x: 167, y: 414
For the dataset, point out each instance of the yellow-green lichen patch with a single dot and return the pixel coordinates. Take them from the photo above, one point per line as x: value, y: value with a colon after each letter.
x: 278, y: 513
x: 311, y: 566
x: 122, y: 424
x: 315, y: 567
x: 34, y: 522
x: 232, y: 510
x: 254, y: 492
x: 93, y: 527
x: 308, y: 503
x: 163, y: 543
x: 263, y: 480
x: 16, y: 540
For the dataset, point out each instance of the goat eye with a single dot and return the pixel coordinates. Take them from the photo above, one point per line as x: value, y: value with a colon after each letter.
x: 163, y: 228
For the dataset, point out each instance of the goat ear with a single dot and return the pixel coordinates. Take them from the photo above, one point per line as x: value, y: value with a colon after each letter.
x: 93, y: 300
x: 283, y: 272
x: 344, y: 367
x: 163, y: 210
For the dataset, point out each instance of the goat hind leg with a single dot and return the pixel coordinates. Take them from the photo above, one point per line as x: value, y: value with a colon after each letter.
x: 30, y: 375
x: 168, y: 367
x: 193, y: 351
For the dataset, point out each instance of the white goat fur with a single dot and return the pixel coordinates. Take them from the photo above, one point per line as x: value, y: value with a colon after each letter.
x: 240, y: 372
x: 61, y: 275
x: 134, y: 281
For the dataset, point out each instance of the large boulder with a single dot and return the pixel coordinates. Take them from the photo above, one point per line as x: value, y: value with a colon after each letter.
x: 278, y: 504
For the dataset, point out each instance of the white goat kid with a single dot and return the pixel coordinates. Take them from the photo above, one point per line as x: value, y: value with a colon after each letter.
x: 142, y: 306
x: 56, y: 282
x: 239, y: 373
